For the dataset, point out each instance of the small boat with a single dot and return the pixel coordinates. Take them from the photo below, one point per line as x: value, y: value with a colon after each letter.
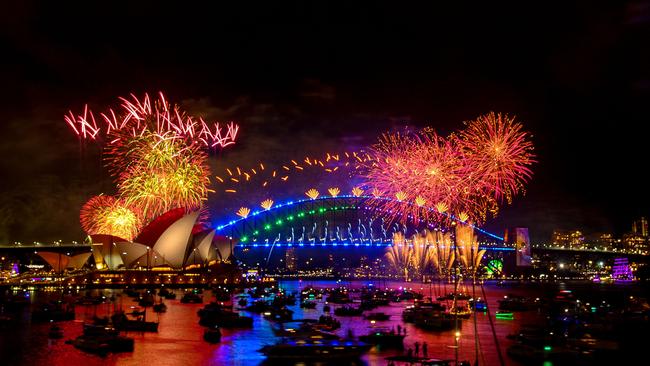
x: 315, y: 350
x: 242, y: 302
x: 159, y: 307
x: 302, y: 330
x: 328, y: 323
x: 163, y: 292
x: 122, y: 323
x: 348, y: 311
x: 377, y: 316
x: 505, y: 315
x: 308, y: 304
x: 384, y: 338
x: 55, y: 332
x: 282, y: 314
x: 191, y: 298
x: 146, y: 300
x: 214, y: 314
x: 212, y: 335
x: 513, y: 303
x: 102, y: 340
x: 463, y: 312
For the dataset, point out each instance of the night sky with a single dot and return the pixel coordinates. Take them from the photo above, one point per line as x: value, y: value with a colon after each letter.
x: 325, y: 76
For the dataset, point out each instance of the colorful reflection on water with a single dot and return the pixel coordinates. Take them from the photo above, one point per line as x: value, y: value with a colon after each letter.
x: 179, y: 340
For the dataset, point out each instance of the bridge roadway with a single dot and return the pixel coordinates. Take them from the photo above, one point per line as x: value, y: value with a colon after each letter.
x: 78, y: 247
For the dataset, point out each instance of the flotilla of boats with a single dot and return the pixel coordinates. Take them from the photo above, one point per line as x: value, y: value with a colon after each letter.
x: 576, y: 331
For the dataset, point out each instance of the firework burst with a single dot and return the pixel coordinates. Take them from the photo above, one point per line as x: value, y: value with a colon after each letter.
x: 110, y: 216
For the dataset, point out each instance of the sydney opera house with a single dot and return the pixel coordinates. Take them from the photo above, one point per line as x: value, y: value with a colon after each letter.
x: 172, y: 241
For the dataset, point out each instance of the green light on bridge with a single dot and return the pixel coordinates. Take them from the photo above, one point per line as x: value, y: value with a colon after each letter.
x: 290, y: 218
x: 244, y: 239
x: 279, y: 222
x: 267, y: 227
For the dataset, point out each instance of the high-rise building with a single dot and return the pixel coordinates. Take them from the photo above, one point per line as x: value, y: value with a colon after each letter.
x: 291, y: 259
x: 640, y: 227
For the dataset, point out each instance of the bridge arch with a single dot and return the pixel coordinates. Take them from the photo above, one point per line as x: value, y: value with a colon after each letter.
x: 344, y: 220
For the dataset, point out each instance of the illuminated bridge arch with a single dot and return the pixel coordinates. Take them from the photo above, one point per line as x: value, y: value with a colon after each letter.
x: 344, y: 220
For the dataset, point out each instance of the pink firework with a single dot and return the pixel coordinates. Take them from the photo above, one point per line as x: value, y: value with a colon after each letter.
x: 140, y: 116
x: 425, y: 174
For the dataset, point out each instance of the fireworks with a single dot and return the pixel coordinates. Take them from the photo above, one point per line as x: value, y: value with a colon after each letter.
x: 267, y: 204
x: 243, y: 212
x: 155, y: 153
x: 334, y: 191
x: 264, y: 175
x: 109, y: 216
x: 466, y: 174
x: 312, y: 193
x: 424, y: 253
x: 469, y: 254
x: 356, y: 191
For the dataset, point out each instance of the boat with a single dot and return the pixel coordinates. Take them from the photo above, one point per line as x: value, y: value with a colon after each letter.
x: 242, y: 302
x: 426, y: 361
x: 308, y: 304
x: 55, y: 332
x: 450, y: 296
x: 326, y: 308
x: 421, y: 308
x: 328, y: 323
x: 338, y: 297
x: 214, y: 314
x: 159, y: 307
x: 282, y: 314
x: 315, y: 350
x: 377, y: 316
x: 302, y: 329
x: 212, y: 335
x: 102, y: 340
x: 348, y: 311
x: 513, y: 303
x: 463, y: 312
x: 122, y: 323
x: 163, y: 292
x: 505, y: 315
x: 478, y: 304
x: 191, y: 297
x: 146, y: 300
x: 384, y: 338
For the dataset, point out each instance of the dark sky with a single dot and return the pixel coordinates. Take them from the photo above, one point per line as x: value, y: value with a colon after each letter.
x: 577, y: 75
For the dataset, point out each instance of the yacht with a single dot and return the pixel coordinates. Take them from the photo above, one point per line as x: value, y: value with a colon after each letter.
x: 315, y: 350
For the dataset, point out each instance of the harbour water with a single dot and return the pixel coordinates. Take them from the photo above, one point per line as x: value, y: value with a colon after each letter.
x: 179, y: 340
